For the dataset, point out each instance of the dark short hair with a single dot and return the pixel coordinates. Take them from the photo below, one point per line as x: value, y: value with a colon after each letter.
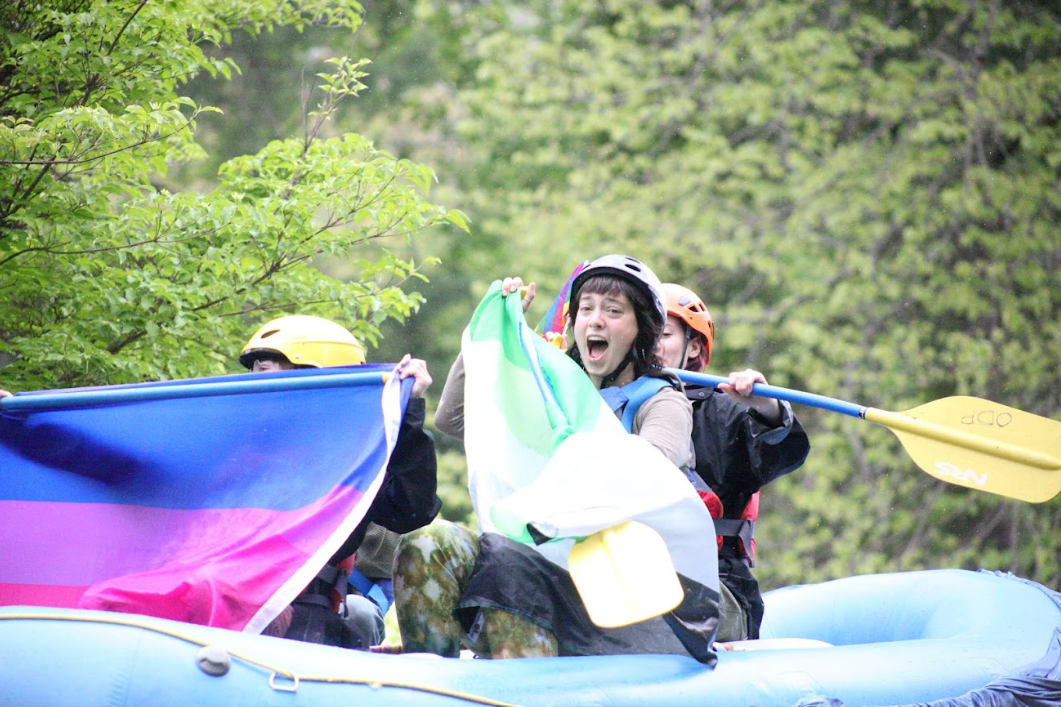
x: 648, y: 327
x: 249, y: 357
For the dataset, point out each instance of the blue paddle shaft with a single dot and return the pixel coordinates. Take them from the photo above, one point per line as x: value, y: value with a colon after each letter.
x: 772, y: 391
x: 251, y: 384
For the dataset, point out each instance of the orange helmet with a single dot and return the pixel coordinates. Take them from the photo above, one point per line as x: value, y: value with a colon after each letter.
x: 684, y: 304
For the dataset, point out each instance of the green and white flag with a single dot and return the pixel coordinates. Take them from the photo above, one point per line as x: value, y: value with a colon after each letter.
x: 545, y: 450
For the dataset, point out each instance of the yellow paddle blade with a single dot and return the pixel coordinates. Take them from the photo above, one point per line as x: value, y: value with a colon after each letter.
x: 624, y: 574
x: 981, y: 445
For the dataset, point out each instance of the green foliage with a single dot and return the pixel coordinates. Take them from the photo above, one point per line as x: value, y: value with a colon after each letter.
x: 453, y: 488
x: 864, y: 193
x: 106, y: 277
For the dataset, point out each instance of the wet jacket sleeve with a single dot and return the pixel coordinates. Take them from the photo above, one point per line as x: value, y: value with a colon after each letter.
x: 737, y: 451
x: 407, y: 500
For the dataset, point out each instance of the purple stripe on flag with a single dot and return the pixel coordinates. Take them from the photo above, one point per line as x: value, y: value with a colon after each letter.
x: 164, y: 562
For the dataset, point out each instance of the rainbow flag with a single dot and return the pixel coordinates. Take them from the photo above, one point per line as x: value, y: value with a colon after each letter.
x: 546, y: 452
x: 555, y: 319
x: 211, y: 501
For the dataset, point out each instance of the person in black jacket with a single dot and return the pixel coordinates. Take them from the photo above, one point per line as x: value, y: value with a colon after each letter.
x: 741, y: 442
x: 407, y: 500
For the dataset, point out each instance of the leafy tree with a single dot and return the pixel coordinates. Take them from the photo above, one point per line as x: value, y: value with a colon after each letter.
x: 865, y: 193
x: 105, y: 276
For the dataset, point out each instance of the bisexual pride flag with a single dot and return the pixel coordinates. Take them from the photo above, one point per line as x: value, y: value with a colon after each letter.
x: 546, y: 452
x: 212, y: 501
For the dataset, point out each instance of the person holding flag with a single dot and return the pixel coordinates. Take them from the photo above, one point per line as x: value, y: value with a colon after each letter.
x: 406, y: 501
x: 503, y: 597
x: 741, y: 442
x: 288, y: 468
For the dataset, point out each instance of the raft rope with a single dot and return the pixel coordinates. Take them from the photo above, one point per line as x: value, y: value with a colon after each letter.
x: 286, y: 674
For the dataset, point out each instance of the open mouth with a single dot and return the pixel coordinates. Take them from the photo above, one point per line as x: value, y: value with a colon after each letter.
x: 596, y: 348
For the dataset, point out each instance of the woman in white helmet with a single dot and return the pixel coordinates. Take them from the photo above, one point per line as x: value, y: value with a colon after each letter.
x: 501, y: 599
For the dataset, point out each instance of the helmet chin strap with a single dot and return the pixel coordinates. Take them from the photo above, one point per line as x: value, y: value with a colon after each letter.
x: 685, y: 349
x: 610, y: 378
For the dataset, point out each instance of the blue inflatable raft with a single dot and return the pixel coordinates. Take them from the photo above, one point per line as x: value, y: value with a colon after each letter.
x: 944, y: 637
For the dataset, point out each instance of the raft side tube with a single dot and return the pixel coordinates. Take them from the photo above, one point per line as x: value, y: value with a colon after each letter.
x: 899, y: 638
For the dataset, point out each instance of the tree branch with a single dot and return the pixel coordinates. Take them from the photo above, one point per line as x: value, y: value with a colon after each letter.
x: 128, y: 20
x: 95, y: 158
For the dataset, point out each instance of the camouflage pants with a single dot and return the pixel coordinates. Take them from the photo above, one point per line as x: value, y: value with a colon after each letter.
x: 732, y: 623
x: 431, y: 568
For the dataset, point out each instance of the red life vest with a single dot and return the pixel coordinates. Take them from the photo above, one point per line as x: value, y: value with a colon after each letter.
x: 743, y: 529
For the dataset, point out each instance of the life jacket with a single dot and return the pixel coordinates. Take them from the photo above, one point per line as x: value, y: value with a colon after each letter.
x: 320, y: 613
x: 743, y: 528
x: 334, y: 582
x: 625, y: 401
x: 329, y: 587
x: 368, y: 589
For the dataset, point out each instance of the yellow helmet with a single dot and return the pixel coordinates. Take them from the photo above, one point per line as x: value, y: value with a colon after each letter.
x: 304, y: 341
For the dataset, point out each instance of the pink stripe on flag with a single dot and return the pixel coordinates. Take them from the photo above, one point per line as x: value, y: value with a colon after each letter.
x: 85, y: 543
x: 227, y: 592
x: 39, y: 595
x: 215, y: 567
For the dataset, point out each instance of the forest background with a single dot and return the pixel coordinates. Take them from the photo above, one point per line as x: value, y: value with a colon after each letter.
x: 864, y: 193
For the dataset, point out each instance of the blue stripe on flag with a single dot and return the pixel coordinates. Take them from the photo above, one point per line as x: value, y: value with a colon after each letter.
x: 277, y: 450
